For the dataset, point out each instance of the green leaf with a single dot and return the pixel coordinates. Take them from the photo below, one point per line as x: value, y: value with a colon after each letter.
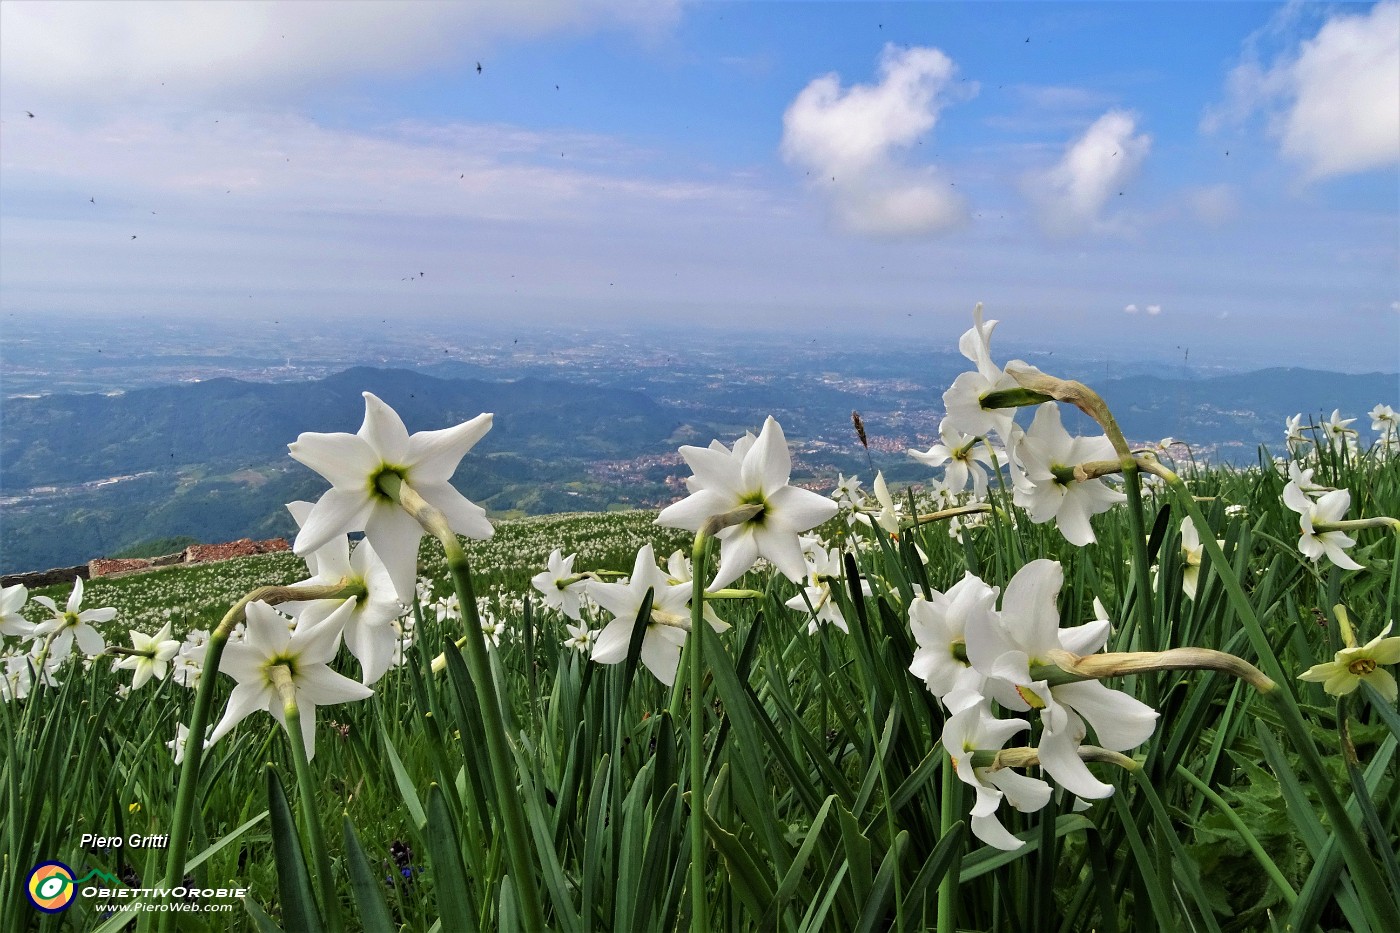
x: 370, y: 908
x: 454, y: 899
x: 261, y: 920
x: 943, y: 859
x: 407, y: 792
x: 299, y: 910
x: 989, y: 858
x: 747, y: 874
x: 883, y: 889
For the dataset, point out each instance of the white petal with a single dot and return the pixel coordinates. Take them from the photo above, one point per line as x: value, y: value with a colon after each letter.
x: 990, y: 831
x: 338, y: 512
x: 1086, y: 638
x: 1119, y: 721
x: 783, y: 550
x: 661, y: 656
x: 319, y: 685
x: 374, y: 647
x: 433, y: 455
x: 611, y: 644
x: 1025, y: 793
x: 737, y: 555
x: 767, y: 464
x: 267, y: 629
x: 1073, y: 521
x: 89, y: 641
x: 1059, y: 756
x: 463, y: 515
x: 1028, y: 608
x: 395, y: 536
x: 383, y: 430
x: 245, y: 699
x: 800, y: 509
x: 1332, y: 544
x: 694, y: 510
x: 317, y: 644
x: 343, y: 459
x: 243, y: 663
x: 714, y: 469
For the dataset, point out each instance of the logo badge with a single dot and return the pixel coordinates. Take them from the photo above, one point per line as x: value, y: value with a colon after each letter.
x: 50, y: 887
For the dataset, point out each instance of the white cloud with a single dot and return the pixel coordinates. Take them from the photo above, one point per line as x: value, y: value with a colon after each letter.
x: 1150, y: 310
x: 174, y: 50
x: 848, y: 140
x: 1071, y: 195
x: 1332, y: 100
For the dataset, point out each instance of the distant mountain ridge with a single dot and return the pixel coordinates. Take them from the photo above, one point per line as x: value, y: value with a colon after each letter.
x: 62, y: 439
x: 1245, y: 408
x: 208, y: 460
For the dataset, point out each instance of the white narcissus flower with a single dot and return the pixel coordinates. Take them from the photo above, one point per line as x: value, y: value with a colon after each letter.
x: 178, y: 744
x: 888, y: 517
x: 556, y: 584
x: 580, y: 638
x: 1303, y: 479
x: 666, y: 629
x: 73, y: 622
x: 304, y: 654
x: 492, y: 628
x: 963, y: 400
x: 154, y: 658
x: 1352, y: 665
x: 755, y: 472
x: 967, y: 459
x: 1332, y: 507
x: 1191, y: 551
x: 1046, y: 487
x: 354, y: 464
x: 824, y: 568
x: 973, y: 729
x: 12, y: 622
x: 847, y: 491
x: 678, y: 567
x: 1384, y: 420
x: 1297, y: 441
x: 1026, y: 634
x: 939, y: 625
x: 1338, y: 430
x: 369, y: 630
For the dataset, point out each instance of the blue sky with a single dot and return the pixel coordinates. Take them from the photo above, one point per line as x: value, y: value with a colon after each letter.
x: 1136, y: 177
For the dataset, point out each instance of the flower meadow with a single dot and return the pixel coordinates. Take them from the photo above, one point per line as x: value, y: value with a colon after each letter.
x: 1067, y: 684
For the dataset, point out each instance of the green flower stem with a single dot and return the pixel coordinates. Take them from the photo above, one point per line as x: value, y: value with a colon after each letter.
x: 1371, y: 887
x: 699, y: 910
x: 199, y: 720
x: 518, y: 843
x: 947, y: 816
x: 325, y: 878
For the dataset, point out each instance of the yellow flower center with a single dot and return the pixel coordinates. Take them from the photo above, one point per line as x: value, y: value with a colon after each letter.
x: 1361, y: 667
